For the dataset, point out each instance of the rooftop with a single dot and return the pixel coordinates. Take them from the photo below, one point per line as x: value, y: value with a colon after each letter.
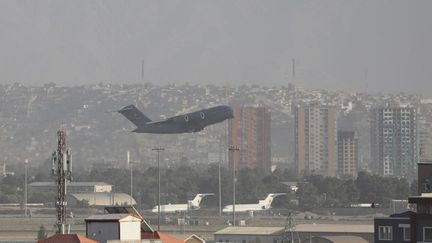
x: 343, y: 239
x: 165, y: 238
x: 110, y: 217
x: 423, y: 198
x: 103, y: 198
x: 250, y: 231
x: 337, y: 228
x: 67, y: 238
x: 75, y: 183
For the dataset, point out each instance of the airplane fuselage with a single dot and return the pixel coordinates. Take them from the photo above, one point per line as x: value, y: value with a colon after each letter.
x: 171, y: 208
x: 191, y: 122
x: 243, y: 208
x: 177, y: 208
x: 260, y: 206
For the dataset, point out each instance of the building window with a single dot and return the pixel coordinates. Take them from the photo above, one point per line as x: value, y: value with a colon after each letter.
x: 385, y: 233
x: 427, y: 234
x: 406, y: 234
x: 243, y: 241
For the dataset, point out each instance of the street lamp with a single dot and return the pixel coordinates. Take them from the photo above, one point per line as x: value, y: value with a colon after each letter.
x: 25, y: 186
x: 221, y: 151
x: 131, y: 183
x: 233, y: 149
x: 158, y: 150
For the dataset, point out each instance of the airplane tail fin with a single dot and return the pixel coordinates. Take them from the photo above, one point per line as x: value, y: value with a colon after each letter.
x: 266, y: 203
x: 134, y: 115
x: 198, y: 198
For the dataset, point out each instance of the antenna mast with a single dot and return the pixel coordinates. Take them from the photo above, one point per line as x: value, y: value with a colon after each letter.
x: 290, y: 234
x: 62, y: 168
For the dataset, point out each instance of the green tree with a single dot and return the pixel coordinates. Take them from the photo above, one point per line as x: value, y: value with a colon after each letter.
x: 308, y: 197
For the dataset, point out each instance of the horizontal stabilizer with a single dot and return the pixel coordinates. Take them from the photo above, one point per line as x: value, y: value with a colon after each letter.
x: 134, y: 115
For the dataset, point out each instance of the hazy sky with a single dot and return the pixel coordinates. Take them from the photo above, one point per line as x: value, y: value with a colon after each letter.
x: 339, y: 44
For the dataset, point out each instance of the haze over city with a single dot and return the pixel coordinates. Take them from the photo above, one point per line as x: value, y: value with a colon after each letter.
x: 375, y: 46
x: 194, y: 121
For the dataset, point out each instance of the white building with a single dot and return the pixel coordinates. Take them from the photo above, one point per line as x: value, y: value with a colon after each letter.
x: 114, y: 227
x: 72, y: 187
x: 99, y: 199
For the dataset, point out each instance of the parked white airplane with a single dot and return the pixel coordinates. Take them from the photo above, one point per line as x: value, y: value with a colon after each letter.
x: 260, y: 206
x: 191, y: 205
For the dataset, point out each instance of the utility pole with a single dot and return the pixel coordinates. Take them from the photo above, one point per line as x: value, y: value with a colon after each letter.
x: 62, y: 168
x: 233, y: 149
x: 129, y: 162
x: 220, y: 190
x: 25, y: 188
x: 158, y: 150
x: 221, y: 153
x: 131, y: 183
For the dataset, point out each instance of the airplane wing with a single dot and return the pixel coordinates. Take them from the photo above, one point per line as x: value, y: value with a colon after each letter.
x: 169, y: 120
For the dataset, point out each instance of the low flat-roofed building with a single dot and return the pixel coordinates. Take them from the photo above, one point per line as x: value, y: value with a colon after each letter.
x: 301, y: 231
x: 72, y: 187
x: 305, y: 231
x: 249, y: 234
x: 99, y: 199
x: 335, y: 239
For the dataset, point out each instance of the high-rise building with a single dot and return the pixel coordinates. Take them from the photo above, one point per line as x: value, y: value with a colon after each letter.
x: 425, y: 128
x: 394, y: 141
x: 249, y: 130
x: 315, y: 138
x: 347, y: 153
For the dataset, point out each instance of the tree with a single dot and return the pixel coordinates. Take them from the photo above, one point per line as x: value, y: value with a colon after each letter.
x: 308, y: 197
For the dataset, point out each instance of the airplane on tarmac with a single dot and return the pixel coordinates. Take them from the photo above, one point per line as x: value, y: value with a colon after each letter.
x: 260, y: 206
x: 187, y: 123
x: 191, y: 205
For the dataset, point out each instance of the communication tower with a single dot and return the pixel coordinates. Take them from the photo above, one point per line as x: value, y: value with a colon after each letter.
x: 290, y: 234
x: 62, y: 168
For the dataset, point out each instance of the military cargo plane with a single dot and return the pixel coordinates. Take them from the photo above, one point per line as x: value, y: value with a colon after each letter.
x: 187, y: 123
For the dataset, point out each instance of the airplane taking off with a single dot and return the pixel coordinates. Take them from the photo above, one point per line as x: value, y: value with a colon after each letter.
x: 260, y: 206
x: 191, y: 205
x: 187, y: 123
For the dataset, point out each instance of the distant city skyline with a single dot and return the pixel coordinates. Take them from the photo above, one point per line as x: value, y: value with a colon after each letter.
x: 374, y: 46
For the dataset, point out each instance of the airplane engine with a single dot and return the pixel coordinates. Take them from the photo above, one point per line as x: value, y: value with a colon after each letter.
x: 186, y: 118
x: 192, y: 206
